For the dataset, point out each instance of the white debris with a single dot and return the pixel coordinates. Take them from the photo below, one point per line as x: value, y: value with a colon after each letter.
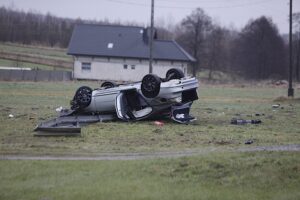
x: 59, y: 109
x: 221, y: 114
x: 275, y: 106
x: 281, y: 82
x: 10, y: 115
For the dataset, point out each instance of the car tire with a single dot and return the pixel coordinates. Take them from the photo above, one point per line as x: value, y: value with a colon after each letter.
x: 108, y: 84
x: 83, y: 97
x: 174, y: 73
x: 150, y: 85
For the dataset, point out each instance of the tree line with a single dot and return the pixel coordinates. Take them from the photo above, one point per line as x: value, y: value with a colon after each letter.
x: 258, y: 51
x: 34, y: 28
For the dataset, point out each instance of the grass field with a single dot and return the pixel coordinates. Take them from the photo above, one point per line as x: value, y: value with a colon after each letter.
x: 13, y: 63
x: 31, y: 103
x: 46, y: 52
x: 55, y: 54
x: 264, y: 175
x: 220, y: 174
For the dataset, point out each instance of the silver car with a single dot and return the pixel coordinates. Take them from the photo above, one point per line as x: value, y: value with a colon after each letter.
x: 152, y: 97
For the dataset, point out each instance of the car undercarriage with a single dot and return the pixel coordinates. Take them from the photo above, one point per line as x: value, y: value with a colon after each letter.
x: 154, y: 97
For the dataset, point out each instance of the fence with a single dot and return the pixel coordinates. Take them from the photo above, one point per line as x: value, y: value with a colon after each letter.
x: 34, y: 75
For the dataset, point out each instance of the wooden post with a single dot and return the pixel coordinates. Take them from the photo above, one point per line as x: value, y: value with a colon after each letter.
x: 151, y: 38
x: 291, y: 90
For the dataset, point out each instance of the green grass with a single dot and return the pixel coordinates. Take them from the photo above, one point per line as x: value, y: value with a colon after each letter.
x: 220, y: 174
x: 31, y: 103
x: 45, y: 52
x: 12, y: 63
x: 35, y: 52
x: 263, y: 175
x: 218, y: 76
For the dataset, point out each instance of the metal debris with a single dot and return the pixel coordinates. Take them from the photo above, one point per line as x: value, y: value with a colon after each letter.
x: 245, y: 121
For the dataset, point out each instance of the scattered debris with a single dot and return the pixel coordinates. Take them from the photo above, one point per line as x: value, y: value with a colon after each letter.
x: 245, y: 121
x: 31, y: 117
x: 59, y: 109
x: 259, y: 114
x: 281, y: 82
x: 11, y: 116
x: 250, y: 115
x: 250, y: 141
x: 68, y: 125
x: 276, y: 106
x: 158, y: 123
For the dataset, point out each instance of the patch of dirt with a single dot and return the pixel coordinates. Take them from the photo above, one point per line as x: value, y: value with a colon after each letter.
x: 289, y: 147
x: 221, y: 142
x: 152, y: 155
x: 286, y: 99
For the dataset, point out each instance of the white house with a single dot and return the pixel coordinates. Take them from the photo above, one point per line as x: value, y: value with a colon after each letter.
x: 121, y: 53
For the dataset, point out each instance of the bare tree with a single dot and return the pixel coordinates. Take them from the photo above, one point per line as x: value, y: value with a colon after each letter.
x: 215, y: 49
x: 296, y: 41
x: 164, y: 30
x: 34, y: 28
x: 193, y: 31
x: 260, y: 50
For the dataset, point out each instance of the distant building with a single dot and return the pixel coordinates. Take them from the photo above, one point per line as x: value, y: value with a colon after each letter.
x: 111, y: 52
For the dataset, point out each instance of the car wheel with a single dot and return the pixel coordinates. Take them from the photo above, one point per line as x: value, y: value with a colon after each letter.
x: 174, y: 73
x: 83, y: 97
x: 108, y: 84
x: 150, y: 85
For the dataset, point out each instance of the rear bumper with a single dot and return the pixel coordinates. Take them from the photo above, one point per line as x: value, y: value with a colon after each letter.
x: 174, y: 89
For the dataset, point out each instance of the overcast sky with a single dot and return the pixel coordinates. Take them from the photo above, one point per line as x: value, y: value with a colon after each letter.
x: 226, y: 12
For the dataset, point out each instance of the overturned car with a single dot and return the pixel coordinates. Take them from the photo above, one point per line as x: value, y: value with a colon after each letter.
x: 153, y: 97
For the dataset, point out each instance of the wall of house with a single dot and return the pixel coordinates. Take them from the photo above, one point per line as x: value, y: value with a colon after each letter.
x: 114, y: 69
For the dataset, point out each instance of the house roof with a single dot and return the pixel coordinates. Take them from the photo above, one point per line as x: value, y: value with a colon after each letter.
x: 122, y: 41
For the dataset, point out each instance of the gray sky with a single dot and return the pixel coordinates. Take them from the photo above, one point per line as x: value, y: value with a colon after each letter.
x: 226, y: 12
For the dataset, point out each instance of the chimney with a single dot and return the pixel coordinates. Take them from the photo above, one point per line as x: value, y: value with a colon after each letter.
x: 146, y: 34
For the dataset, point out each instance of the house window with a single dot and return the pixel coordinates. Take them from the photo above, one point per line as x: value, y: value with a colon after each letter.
x: 125, y: 66
x: 132, y: 66
x: 85, y: 66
